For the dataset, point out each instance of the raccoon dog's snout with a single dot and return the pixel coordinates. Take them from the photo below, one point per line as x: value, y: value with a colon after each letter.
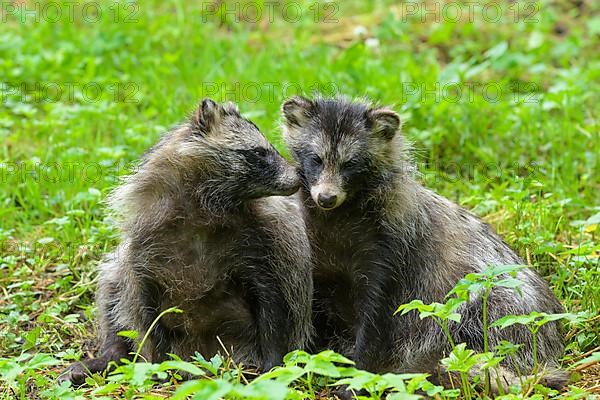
x: 327, y: 200
x: 326, y: 196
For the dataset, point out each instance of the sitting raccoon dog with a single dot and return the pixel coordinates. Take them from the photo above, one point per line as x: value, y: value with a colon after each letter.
x: 204, y: 229
x: 380, y: 239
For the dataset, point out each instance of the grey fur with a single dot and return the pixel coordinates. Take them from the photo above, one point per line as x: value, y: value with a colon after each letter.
x: 205, y: 228
x: 387, y: 240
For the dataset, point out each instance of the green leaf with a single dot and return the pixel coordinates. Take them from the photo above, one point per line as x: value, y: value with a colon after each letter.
x: 181, y: 366
x: 322, y: 367
x: 509, y: 283
x: 296, y: 357
x: 403, y: 396
x: 41, y: 360
x: 287, y: 374
x: 505, y: 348
x: 133, y: 335
x: 430, y: 388
x: 498, y: 270
x: 489, y: 360
x: 595, y: 357
x: 137, y: 373
x: 267, y: 390
x: 106, y: 389
x: 497, y: 51
x: 212, y: 366
x: 215, y: 363
x: 395, y: 381
x: 454, y: 317
x: 413, y: 305
x: 510, y: 320
x: 9, y: 370
x: 461, y: 359
x: 593, y: 220
x: 332, y: 356
x: 203, y: 389
x: 31, y: 338
x: 362, y: 380
x: 534, y: 318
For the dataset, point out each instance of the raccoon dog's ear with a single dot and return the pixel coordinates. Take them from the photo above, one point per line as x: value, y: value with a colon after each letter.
x: 297, y: 110
x: 231, y: 108
x: 384, y: 122
x: 206, y: 116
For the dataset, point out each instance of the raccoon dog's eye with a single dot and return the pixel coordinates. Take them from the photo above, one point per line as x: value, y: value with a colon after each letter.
x: 350, y: 164
x: 316, y: 160
x: 260, y: 151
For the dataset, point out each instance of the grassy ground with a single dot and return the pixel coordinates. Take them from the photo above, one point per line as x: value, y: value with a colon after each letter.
x: 500, y: 102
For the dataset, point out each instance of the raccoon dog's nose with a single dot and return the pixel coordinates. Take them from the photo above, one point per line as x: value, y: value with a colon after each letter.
x: 327, y: 200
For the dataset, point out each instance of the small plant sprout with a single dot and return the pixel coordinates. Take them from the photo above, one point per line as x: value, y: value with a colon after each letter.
x: 149, y: 331
x: 471, y: 287
x: 480, y: 285
x: 462, y: 360
x: 323, y: 363
x: 141, y: 375
x: 506, y: 349
x: 533, y: 321
x: 399, y: 386
x: 441, y: 313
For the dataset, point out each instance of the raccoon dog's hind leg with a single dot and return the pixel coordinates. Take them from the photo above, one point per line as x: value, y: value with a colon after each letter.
x: 113, y: 347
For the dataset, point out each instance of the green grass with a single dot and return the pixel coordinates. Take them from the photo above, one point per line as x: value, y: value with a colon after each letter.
x: 503, y: 117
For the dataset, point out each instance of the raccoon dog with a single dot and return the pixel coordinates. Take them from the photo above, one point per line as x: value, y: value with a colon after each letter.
x: 205, y: 229
x: 380, y: 239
